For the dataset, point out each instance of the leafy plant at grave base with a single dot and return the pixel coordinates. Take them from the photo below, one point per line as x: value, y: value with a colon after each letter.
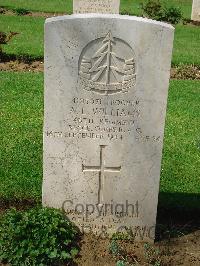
x: 114, y: 248
x: 5, y: 38
x: 118, y: 253
x: 21, y: 11
x: 37, y: 237
x: 154, y: 10
x: 152, y: 255
x: 172, y: 15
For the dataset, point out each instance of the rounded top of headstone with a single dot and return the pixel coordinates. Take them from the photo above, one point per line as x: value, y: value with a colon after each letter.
x: 110, y: 16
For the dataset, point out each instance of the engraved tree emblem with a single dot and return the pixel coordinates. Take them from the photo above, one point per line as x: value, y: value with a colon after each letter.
x: 110, y: 69
x: 99, y: 67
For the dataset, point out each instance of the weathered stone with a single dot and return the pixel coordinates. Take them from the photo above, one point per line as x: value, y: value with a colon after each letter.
x: 96, y: 6
x: 196, y: 10
x: 106, y: 87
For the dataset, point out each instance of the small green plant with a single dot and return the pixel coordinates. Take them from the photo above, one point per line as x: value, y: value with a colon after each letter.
x: 121, y: 236
x: 172, y: 15
x: 120, y: 254
x: 5, y: 38
x: 36, y: 237
x: 153, y: 9
x: 21, y: 11
x: 121, y: 263
x: 114, y: 248
x: 152, y: 255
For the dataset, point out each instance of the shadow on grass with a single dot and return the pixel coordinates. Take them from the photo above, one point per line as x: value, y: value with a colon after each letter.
x: 25, y: 58
x: 178, y: 215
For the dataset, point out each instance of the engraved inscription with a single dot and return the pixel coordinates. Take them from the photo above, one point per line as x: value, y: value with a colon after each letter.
x: 96, y: 6
x: 103, y: 119
x: 107, y: 66
x: 101, y: 169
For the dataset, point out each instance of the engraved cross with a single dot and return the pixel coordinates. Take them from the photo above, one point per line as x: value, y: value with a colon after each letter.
x: 101, y: 169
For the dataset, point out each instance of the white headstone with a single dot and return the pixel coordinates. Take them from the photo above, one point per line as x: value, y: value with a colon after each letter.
x: 106, y: 87
x: 196, y: 10
x: 96, y: 6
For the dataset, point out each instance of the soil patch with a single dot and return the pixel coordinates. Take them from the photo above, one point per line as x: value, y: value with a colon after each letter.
x: 17, y: 204
x: 192, y: 22
x: 186, y: 72
x: 4, y: 11
x: 20, y: 66
x: 44, y: 14
x: 10, y: 12
x: 178, y: 251
x: 23, y: 65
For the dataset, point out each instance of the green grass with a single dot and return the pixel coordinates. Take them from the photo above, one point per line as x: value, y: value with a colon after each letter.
x: 132, y: 6
x: 186, y: 45
x: 30, y: 39
x: 21, y: 136
x: 181, y: 160
x: 42, y: 5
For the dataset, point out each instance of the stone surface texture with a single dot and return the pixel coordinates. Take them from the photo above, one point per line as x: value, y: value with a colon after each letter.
x: 96, y: 6
x: 196, y: 10
x: 106, y: 88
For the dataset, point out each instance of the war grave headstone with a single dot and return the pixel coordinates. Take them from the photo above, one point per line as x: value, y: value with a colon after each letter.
x: 196, y: 10
x: 106, y: 88
x: 96, y: 6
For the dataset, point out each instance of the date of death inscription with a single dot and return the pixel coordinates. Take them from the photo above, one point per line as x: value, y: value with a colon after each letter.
x: 99, y: 119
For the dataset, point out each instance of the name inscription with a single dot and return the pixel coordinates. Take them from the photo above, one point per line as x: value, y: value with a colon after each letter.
x: 98, y: 118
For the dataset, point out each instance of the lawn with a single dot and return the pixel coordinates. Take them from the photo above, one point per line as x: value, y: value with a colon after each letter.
x: 180, y: 167
x: 133, y: 6
x: 21, y: 135
x: 30, y: 39
x: 186, y: 45
x: 42, y: 5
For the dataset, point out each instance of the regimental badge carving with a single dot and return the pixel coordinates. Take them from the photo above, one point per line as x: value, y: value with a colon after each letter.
x: 107, y: 66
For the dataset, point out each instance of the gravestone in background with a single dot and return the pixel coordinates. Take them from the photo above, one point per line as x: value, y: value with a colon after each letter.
x: 196, y: 10
x: 96, y: 6
x: 106, y: 87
